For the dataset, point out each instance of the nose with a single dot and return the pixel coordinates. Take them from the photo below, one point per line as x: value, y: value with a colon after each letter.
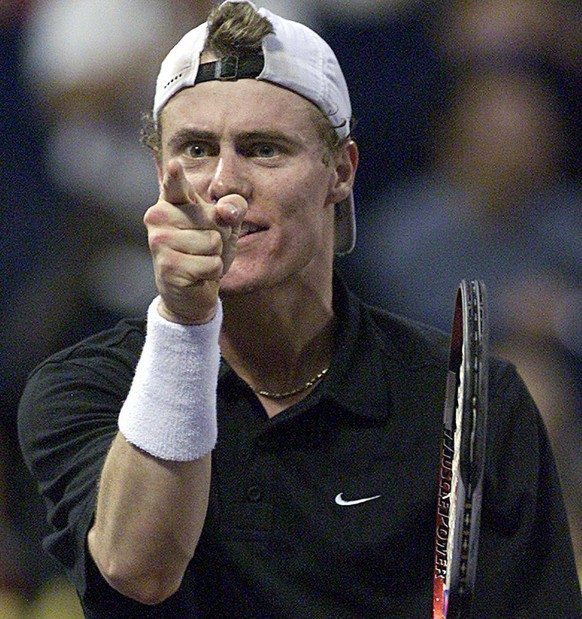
x: 229, y: 177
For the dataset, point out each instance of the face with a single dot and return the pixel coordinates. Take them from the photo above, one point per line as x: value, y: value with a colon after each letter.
x: 260, y: 141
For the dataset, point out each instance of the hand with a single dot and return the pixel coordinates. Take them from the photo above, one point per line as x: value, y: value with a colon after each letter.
x: 193, y: 244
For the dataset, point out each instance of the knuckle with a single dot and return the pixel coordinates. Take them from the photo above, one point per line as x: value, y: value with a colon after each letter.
x: 180, y: 271
x: 155, y: 216
x: 167, y: 266
x: 157, y: 240
x: 214, y: 241
x: 213, y: 267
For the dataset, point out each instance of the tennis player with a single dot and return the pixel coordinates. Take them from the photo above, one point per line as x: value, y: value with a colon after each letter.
x: 263, y: 444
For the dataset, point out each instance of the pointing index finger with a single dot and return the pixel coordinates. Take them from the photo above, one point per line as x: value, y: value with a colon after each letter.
x: 175, y: 188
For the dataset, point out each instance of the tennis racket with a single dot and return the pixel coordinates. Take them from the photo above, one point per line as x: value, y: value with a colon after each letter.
x: 462, y: 456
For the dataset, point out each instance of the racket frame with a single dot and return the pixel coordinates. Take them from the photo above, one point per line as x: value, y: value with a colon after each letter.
x: 462, y: 458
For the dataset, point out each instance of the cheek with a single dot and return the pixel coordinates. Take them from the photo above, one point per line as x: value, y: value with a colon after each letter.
x: 303, y: 196
x: 307, y: 217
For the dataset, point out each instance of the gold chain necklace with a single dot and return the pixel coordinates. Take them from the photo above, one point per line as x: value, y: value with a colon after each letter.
x: 285, y: 394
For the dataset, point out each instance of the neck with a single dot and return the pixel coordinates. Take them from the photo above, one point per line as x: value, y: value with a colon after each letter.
x: 277, y: 342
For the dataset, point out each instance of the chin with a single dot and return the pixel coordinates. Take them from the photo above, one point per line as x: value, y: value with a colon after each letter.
x: 238, y: 282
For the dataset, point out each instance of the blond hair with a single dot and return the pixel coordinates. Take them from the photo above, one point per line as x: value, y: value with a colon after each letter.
x: 237, y: 29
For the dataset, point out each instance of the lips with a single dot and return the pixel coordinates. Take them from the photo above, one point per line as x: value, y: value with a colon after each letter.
x: 248, y: 227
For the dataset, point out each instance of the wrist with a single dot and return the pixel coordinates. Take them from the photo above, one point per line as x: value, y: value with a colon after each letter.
x: 197, y: 309
x: 170, y: 410
x: 200, y: 318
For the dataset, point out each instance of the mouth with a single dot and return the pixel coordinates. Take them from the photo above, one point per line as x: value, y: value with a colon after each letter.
x: 248, y: 228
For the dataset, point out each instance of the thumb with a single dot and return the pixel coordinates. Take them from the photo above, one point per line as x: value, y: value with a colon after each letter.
x: 231, y: 210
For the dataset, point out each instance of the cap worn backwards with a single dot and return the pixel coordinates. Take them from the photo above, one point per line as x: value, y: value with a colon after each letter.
x: 294, y: 57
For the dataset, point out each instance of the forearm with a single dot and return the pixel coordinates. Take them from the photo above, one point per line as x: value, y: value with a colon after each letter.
x: 153, y: 491
x: 150, y: 513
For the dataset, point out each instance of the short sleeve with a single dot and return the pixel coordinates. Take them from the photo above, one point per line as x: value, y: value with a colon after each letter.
x: 67, y: 421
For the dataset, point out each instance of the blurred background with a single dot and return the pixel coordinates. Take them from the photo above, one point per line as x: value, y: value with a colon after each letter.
x: 467, y: 121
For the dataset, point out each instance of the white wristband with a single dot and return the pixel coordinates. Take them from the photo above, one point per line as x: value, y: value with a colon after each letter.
x: 170, y: 410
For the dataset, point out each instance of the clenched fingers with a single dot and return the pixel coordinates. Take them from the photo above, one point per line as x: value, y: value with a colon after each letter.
x: 192, y: 243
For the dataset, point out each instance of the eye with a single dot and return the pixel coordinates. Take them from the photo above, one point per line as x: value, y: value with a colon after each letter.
x: 266, y: 150
x: 261, y: 150
x: 196, y: 150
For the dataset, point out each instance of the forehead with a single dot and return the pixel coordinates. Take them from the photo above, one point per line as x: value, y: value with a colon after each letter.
x: 242, y: 105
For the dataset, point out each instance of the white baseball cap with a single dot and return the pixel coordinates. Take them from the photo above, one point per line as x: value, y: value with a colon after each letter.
x: 294, y: 57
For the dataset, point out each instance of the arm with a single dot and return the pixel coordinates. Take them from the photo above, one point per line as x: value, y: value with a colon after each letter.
x: 526, y: 563
x: 153, y: 492
x: 150, y: 513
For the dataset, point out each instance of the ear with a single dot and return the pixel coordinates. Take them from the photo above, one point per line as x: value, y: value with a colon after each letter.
x: 346, y: 164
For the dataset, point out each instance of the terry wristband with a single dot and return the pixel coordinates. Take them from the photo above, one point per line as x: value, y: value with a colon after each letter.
x: 170, y: 410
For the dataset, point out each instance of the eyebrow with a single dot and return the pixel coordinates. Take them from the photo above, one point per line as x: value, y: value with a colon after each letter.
x: 190, y: 134
x: 269, y: 135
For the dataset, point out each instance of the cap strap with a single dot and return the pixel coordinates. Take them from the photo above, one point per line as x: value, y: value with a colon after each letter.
x: 231, y: 68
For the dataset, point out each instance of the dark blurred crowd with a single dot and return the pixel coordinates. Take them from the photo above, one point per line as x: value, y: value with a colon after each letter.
x: 467, y: 115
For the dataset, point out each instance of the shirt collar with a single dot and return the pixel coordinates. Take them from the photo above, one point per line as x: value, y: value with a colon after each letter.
x: 357, y: 378
x: 364, y: 363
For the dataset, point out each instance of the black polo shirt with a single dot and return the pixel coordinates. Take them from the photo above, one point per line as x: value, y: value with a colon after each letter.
x: 326, y: 510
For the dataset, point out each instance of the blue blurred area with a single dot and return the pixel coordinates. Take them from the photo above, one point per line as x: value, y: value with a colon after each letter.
x: 396, y: 79
x: 27, y: 218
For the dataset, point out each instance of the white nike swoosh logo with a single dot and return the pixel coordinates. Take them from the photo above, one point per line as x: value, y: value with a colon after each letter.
x: 341, y: 501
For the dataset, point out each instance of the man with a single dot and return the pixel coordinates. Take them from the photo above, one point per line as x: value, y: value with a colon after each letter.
x: 320, y: 498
